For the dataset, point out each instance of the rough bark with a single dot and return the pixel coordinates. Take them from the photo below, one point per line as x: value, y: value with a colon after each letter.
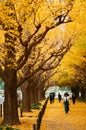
x: 26, y: 99
x: 33, y: 99
x: 39, y: 95
x: 10, y: 104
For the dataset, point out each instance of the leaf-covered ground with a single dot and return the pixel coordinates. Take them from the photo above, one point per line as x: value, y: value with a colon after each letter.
x: 55, y: 117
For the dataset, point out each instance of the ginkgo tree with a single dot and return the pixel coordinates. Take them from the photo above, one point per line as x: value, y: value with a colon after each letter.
x: 72, y: 73
x: 46, y: 58
x: 23, y: 25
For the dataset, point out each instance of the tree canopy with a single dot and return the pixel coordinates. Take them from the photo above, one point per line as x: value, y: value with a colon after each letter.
x: 30, y: 46
x: 72, y: 69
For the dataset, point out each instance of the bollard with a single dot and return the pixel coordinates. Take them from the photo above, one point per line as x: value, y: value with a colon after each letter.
x: 0, y: 110
x: 20, y: 105
x: 34, y: 126
x: 40, y: 115
x: 21, y: 113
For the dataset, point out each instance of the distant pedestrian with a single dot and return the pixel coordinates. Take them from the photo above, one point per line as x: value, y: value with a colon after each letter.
x: 59, y: 97
x: 73, y: 98
x: 66, y: 102
x: 52, y: 96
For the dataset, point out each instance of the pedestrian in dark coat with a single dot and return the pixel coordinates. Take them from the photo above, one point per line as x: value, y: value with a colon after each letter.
x: 73, y: 98
x: 59, y: 97
x: 52, y: 96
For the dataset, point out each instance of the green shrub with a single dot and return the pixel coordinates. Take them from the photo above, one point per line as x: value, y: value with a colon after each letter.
x: 7, y: 128
x: 38, y: 103
x: 35, y: 106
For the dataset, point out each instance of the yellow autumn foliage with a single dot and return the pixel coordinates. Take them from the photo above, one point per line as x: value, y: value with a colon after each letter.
x: 66, y: 71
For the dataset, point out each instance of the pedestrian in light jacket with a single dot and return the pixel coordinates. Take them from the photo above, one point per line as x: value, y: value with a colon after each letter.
x: 66, y: 102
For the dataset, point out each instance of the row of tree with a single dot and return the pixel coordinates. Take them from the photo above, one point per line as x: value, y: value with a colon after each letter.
x: 28, y: 53
x: 72, y: 73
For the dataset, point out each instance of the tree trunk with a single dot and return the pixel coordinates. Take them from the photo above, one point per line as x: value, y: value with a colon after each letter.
x: 34, y: 95
x: 39, y: 95
x: 10, y: 104
x: 26, y: 99
x: 83, y: 92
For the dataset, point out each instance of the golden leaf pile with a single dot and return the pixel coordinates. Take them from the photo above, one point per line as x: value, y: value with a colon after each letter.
x: 55, y: 117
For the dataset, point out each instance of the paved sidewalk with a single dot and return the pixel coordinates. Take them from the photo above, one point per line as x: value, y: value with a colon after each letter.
x: 56, y: 119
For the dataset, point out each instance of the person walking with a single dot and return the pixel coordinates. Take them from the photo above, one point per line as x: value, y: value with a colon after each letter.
x: 52, y: 96
x: 73, y: 98
x: 59, y: 97
x: 66, y: 102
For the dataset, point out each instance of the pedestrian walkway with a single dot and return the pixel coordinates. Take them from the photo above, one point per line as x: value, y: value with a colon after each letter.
x: 56, y: 119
